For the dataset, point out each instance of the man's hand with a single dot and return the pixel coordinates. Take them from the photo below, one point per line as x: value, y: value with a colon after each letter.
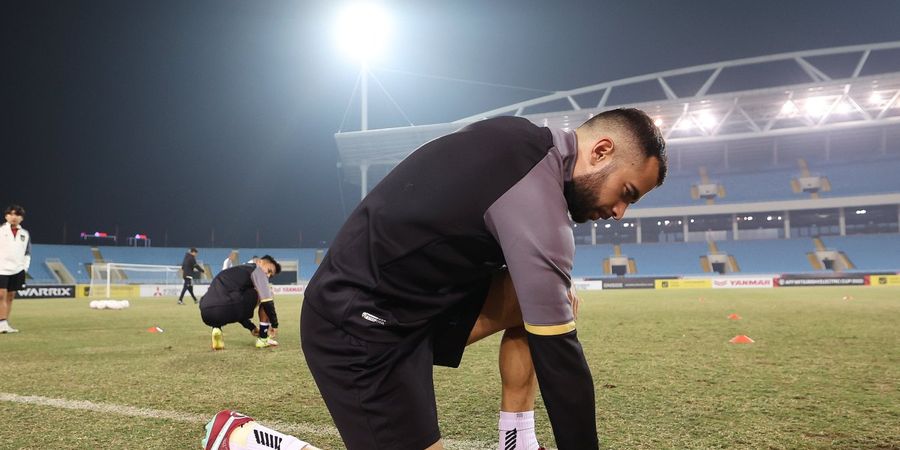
x: 255, y: 332
x: 574, y: 301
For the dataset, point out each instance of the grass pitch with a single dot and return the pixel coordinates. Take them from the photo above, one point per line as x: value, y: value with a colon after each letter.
x: 824, y: 372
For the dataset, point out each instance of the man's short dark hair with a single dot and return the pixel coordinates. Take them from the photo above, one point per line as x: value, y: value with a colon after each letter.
x: 193, y: 250
x: 275, y: 263
x: 644, y: 131
x: 15, y: 209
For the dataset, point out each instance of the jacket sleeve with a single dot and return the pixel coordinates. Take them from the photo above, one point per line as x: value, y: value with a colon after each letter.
x: 28, y: 254
x: 567, y: 388
x: 530, y: 222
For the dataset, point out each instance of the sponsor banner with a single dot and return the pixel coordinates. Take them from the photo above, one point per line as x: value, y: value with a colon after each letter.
x: 587, y: 285
x: 821, y: 281
x: 170, y: 290
x: 687, y: 283
x: 743, y: 282
x: 884, y: 280
x: 46, y: 291
x: 292, y: 289
x: 116, y: 290
x: 629, y: 283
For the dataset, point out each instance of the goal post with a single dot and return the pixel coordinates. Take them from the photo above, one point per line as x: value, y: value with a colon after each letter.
x: 105, y: 276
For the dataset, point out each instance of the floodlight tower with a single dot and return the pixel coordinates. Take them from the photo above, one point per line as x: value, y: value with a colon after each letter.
x: 362, y: 32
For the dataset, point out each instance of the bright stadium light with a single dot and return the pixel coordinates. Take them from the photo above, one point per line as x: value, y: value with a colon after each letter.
x: 685, y: 124
x: 788, y: 109
x: 707, y: 120
x: 816, y: 106
x: 658, y: 122
x: 843, y: 108
x: 362, y: 30
x: 876, y: 99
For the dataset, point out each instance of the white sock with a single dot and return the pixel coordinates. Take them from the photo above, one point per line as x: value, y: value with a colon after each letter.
x: 253, y: 436
x: 517, y: 431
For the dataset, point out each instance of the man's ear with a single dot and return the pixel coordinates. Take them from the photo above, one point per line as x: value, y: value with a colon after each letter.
x: 603, y: 148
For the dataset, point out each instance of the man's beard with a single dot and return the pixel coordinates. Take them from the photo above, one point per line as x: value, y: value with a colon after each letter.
x: 582, y: 193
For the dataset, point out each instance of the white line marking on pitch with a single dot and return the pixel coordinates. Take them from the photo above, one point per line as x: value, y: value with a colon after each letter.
x: 301, y: 430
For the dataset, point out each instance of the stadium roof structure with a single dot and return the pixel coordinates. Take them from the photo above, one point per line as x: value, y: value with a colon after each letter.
x: 784, y: 94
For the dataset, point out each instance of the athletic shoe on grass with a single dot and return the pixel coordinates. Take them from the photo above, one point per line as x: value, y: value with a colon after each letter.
x: 218, y: 341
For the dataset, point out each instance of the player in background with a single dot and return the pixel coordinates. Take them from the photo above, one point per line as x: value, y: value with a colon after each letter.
x: 189, y: 271
x: 230, y: 260
x: 235, y: 294
x: 15, y: 258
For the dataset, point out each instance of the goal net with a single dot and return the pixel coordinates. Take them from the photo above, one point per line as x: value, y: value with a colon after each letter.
x: 106, y: 277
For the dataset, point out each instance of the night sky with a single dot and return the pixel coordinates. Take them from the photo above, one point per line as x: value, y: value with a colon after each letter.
x: 177, y: 118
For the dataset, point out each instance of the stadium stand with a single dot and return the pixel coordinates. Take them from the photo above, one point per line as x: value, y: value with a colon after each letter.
x: 589, y: 260
x: 761, y: 186
x: 867, y: 252
x: 879, y: 176
x: 874, y: 252
x: 859, y: 178
x: 73, y: 257
x: 770, y: 256
x: 682, y: 258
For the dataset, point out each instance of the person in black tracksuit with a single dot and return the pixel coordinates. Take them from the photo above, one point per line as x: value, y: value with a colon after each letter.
x: 407, y: 281
x: 189, y: 271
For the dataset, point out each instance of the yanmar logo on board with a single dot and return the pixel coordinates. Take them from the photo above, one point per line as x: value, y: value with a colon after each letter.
x: 740, y: 283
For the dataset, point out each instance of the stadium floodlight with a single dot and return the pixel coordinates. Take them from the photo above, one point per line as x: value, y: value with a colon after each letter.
x: 707, y: 120
x: 362, y: 30
x: 816, y: 106
x: 843, y: 107
x: 658, y: 122
x: 876, y: 99
x: 685, y: 124
x: 789, y: 108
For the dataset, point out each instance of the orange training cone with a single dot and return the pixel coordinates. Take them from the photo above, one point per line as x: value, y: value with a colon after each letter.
x: 155, y: 330
x: 741, y: 339
x: 734, y: 317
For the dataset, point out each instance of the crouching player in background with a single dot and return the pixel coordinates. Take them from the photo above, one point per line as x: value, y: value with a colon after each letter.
x: 234, y: 294
x: 230, y: 430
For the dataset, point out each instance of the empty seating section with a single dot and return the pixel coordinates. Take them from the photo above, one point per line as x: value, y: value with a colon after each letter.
x: 38, y: 271
x: 589, y: 260
x: 75, y: 258
x: 861, y: 178
x: 676, y: 191
x: 770, y: 256
x: 873, y: 176
x: 758, y: 187
x: 682, y: 258
x: 874, y: 252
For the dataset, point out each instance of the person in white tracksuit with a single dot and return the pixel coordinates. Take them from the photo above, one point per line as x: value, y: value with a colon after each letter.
x: 15, y: 257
